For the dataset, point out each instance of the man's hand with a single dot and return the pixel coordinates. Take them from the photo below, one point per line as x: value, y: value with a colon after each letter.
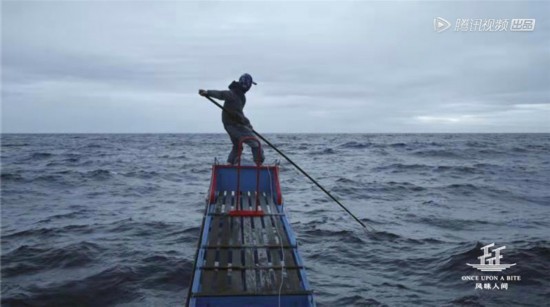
x: 203, y: 92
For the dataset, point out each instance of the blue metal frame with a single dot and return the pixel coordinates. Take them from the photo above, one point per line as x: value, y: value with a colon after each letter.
x: 224, y: 179
x: 253, y: 301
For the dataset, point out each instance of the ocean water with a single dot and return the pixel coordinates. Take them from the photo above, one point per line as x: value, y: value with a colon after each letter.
x: 114, y: 219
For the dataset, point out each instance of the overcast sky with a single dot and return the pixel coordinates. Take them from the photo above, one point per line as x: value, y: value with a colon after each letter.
x: 332, y: 66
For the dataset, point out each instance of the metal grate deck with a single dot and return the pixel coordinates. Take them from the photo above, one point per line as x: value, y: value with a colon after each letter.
x: 247, y: 255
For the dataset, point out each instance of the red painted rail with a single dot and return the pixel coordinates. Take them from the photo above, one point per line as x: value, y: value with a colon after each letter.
x: 238, y: 206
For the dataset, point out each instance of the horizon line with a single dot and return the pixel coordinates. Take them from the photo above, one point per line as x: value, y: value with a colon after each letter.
x: 277, y: 132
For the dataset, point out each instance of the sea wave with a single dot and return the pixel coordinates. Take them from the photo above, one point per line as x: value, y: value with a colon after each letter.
x: 115, y: 219
x: 29, y: 260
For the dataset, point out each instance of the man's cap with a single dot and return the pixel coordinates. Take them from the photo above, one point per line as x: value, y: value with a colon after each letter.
x: 246, y: 81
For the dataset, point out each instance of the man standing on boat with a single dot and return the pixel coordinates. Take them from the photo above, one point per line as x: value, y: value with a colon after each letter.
x: 236, y: 124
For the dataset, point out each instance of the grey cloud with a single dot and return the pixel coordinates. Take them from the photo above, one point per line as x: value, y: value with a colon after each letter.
x: 360, y: 66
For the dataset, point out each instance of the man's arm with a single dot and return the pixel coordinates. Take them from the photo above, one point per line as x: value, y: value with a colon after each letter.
x: 221, y: 95
x: 246, y: 122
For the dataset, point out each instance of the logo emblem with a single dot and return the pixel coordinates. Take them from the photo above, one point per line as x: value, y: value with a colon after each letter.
x: 490, y: 260
x: 440, y: 24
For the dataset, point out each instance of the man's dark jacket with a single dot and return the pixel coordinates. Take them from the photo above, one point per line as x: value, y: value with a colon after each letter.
x: 234, y: 102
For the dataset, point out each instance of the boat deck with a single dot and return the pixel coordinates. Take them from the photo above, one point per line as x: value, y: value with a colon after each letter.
x: 243, y: 255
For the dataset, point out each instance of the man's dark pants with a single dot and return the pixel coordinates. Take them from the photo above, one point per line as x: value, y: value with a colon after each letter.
x: 236, y: 133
